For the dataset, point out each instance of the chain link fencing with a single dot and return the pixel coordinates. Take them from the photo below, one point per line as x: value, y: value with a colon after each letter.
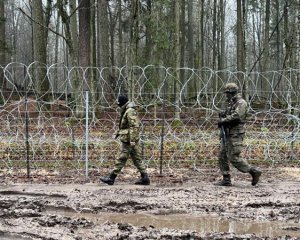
x: 60, y: 131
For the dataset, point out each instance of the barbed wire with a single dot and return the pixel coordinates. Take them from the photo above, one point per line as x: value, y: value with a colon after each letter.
x: 55, y: 131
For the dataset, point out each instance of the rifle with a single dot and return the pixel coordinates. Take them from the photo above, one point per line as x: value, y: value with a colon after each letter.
x: 223, y: 133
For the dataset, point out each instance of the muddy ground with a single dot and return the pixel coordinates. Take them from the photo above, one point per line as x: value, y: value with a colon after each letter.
x: 181, y: 204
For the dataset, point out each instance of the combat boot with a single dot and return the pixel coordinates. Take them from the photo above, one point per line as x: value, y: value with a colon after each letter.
x: 144, y: 180
x: 110, y: 179
x: 225, y: 182
x: 255, y: 173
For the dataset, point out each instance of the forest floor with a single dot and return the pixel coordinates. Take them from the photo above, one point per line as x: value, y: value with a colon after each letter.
x: 180, y: 204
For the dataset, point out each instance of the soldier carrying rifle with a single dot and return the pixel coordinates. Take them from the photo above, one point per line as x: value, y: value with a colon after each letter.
x: 128, y: 133
x: 231, y: 125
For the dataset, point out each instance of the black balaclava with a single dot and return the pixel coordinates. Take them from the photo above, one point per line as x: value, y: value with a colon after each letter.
x: 122, y: 100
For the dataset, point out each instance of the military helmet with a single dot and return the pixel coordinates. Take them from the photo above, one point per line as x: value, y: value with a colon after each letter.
x: 231, y: 88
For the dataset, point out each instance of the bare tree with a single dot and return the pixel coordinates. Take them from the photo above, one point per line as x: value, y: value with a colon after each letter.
x: 84, y: 8
x: 241, y: 44
x: 62, y: 9
x: 222, y: 54
x: 191, y: 46
x: 103, y: 33
x: 200, y: 36
x: 177, y: 58
x: 148, y: 33
x: 2, y: 33
x: 240, y: 37
x: 297, y: 62
x: 278, y: 35
x: 93, y: 57
x: 74, y: 28
x: 266, y: 37
x: 2, y: 44
x: 133, y: 45
x: 121, y: 52
x: 84, y: 33
x: 40, y: 47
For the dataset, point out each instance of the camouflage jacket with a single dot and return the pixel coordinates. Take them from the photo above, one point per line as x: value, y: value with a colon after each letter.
x: 235, y: 114
x: 129, y: 123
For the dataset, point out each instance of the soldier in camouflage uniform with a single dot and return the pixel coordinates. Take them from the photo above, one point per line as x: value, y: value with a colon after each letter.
x: 128, y: 134
x: 232, y: 120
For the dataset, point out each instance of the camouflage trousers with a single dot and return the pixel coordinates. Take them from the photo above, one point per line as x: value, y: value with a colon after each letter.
x: 230, y: 153
x: 135, y: 153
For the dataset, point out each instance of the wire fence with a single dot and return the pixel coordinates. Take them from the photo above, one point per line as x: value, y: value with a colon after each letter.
x: 64, y: 129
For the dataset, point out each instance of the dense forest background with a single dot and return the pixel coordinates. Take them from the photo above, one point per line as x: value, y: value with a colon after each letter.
x: 242, y: 36
x: 63, y: 63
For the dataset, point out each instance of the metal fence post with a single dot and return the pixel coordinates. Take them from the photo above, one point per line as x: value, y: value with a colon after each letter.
x: 86, y: 134
x: 162, y: 135
x: 26, y: 125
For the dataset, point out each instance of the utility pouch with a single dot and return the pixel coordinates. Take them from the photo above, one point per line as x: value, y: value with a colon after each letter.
x: 124, y: 135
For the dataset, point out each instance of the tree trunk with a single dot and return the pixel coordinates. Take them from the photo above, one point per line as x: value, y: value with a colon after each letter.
x: 202, y: 47
x: 92, y: 70
x: 182, y: 35
x: 74, y: 28
x: 199, y: 49
x: 241, y: 47
x: 192, y: 87
x: 84, y: 33
x: 287, y: 38
x: 84, y: 47
x: 74, y: 74
x: 133, y: 46
x: 214, y: 38
x: 215, y: 44
x: 148, y: 34
x: 297, y: 45
x: 221, y: 43
x: 56, y: 56
x: 40, y: 50
x: 121, y: 58
x: 295, y: 100
x: 222, y: 58
x: 278, y: 37
x: 177, y: 58
x: 104, y: 48
x: 103, y: 34
x: 73, y: 4
x: 265, y: 49
x: 2, y: 47
x: 240, y: 38
x: 297, y: 65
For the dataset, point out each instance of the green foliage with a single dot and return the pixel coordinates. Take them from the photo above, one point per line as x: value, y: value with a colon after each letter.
x: 160, y: 27
x: 69, y: 144
x: 177, y: 123
x: 71, y: 122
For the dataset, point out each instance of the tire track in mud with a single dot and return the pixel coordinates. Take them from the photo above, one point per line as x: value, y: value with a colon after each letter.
x: 32, y: 194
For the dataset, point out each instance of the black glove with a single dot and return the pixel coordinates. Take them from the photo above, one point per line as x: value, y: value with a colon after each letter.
x: 221, y: 122
x: 222, y: 114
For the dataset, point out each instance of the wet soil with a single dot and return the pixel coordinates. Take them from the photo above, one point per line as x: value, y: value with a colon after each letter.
x: 180, y: 204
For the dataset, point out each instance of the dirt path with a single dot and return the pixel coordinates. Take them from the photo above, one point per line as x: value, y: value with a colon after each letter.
x: 173, y: 207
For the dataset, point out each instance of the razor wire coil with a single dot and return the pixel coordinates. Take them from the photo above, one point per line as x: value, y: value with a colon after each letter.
x: 56, y: 134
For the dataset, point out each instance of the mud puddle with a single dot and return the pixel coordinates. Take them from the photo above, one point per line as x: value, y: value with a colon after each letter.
x: 10, y: 236
x: 201, y: 224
